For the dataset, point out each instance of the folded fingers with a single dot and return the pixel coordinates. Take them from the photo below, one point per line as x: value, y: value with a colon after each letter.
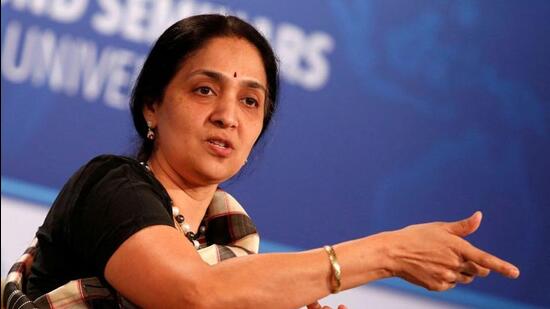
x: 470, y: 268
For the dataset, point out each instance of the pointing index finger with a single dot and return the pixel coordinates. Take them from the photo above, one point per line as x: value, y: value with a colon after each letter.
x: 490, y: 261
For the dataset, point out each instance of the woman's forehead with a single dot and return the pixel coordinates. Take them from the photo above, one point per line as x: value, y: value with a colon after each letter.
x: 229, y: 56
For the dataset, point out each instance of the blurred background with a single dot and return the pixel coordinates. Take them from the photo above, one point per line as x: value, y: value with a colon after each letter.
x: 391, y: 113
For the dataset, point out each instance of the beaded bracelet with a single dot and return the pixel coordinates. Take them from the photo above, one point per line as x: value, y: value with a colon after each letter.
x: 336, y: 270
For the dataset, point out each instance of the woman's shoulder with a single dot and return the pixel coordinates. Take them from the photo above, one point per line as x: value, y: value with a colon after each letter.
x: 108, y: 179
x: 112, y: 165
x: 107, y: 171
x: 110, y: 160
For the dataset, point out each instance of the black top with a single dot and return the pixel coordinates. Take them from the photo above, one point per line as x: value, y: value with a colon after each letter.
x: 103, y: 204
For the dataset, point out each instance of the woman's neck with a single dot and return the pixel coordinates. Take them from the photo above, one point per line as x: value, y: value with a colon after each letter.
x: 191, y: 199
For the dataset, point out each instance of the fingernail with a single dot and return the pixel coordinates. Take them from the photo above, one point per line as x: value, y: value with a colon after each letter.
x: 514, y: 273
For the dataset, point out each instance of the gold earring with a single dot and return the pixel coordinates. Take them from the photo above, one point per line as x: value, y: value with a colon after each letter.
x: 150, y: 132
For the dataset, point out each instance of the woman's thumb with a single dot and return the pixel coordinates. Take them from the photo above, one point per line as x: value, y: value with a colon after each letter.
x: 466, y: 226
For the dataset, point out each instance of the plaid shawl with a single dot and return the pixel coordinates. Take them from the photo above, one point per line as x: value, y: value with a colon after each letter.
x: 229, y: 233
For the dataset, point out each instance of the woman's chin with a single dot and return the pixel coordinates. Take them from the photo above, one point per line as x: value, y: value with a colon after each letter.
x: 217, y: 174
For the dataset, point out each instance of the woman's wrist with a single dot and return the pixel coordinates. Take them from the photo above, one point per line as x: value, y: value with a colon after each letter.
x: 386, y: 246
x: 363, y: 260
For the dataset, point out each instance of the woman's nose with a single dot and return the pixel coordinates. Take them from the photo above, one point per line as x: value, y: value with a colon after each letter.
x: 224, y: 114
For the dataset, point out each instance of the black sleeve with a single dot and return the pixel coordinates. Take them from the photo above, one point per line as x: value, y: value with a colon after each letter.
x: 114, y: 208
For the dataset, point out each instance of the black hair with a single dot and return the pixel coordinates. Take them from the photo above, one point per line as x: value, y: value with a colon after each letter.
x: 171, y: 50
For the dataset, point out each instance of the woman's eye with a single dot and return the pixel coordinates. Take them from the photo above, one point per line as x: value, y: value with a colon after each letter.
x: 250, y: 102
x: 204, y: 90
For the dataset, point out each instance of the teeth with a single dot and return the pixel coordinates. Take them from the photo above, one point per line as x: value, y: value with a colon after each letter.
x: 221, y: 144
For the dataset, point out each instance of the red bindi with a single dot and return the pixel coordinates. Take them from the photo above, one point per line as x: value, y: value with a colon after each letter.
x: 235, y: 74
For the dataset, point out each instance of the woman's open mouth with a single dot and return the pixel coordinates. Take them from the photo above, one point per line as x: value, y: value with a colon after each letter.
x: 220, y: 147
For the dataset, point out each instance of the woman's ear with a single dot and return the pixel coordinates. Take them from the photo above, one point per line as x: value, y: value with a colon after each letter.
x: 150, y: 115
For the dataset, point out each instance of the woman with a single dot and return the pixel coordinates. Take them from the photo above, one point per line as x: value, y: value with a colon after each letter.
x: 151, y: 231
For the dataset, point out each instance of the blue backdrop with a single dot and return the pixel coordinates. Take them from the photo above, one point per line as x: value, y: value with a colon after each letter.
x: 391, y: 113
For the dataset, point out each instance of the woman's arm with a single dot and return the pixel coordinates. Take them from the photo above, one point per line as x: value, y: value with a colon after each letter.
x: 158, y: 267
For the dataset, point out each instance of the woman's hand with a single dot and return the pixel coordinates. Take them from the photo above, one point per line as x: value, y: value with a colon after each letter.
x: 435, y: 255
x: 317, y: 305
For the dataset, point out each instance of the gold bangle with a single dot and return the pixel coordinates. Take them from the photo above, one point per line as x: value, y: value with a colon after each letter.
x: 336, y: 270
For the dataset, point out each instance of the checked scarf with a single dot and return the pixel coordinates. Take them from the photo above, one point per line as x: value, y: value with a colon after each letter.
x: 229, y: 233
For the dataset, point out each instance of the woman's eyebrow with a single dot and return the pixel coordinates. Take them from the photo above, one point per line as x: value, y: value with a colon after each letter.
x: 212, y: 74
x: 253, y: 84
x: 217, y: 76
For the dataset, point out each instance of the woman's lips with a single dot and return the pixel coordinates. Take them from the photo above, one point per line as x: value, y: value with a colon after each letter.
x: 219, y: 147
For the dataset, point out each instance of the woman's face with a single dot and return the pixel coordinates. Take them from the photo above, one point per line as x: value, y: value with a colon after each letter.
x: 212, y: 111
